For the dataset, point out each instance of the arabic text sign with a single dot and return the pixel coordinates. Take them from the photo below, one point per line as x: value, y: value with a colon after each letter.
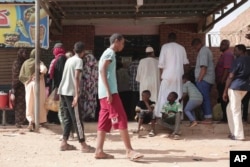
x: 17, y: 26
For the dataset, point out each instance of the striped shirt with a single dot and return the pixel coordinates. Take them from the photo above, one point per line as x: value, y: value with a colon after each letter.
x: 192, y: 91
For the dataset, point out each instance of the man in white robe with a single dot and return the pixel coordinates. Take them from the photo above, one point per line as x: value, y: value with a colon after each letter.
x: 148, y: 74
x: 171, y: 63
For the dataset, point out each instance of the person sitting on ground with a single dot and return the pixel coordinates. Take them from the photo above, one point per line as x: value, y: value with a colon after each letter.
x: 145, y: 112
x: 194, y: 99
x: 171, y: 115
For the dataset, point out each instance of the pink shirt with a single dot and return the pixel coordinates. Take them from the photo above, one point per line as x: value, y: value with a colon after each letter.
x: 224, y: 62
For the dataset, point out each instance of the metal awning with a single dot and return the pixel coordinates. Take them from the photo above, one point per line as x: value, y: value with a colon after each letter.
x: 136, y: 12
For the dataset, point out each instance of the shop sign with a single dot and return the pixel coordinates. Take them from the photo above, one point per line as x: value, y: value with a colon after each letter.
x: 17, y: 26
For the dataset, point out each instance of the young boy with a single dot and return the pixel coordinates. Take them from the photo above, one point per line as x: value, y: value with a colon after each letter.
x: 145, y: 112
x: 69, y: 92
x: 194, y: 99
x: 171, y: 115
x: 111, y: 109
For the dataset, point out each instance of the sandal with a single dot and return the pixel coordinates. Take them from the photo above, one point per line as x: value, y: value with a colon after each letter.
x: 67, y: 147
x: 88, y: 149
x: 104, y: 156
x: 31, y: 127
x: 135, y: 156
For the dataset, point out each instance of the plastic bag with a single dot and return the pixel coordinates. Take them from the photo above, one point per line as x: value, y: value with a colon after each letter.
x: 52, y: 102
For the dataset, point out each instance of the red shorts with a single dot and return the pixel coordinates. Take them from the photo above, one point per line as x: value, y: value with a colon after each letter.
x: 104, y: 121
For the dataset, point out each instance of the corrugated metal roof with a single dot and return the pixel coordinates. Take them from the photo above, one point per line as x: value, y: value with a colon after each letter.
x: 17, y: 1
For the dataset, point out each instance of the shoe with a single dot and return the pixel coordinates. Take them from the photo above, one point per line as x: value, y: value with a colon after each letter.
x: 232, y: 137
x: 176, y: 137
x: 151, y: 133
x: 207, y: 121
x: 194, y: 123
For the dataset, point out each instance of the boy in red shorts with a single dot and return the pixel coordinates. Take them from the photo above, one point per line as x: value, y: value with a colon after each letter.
x: 111, y: 112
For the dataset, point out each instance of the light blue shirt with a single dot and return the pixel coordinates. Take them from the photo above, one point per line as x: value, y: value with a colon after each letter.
x: 205, y: 58
x: 108, y: 54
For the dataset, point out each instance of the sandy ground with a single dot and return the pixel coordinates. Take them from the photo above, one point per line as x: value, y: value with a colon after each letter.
x: 203, y: 145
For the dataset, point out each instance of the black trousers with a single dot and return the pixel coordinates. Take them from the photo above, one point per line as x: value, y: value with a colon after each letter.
x: 72, y: 117
x: 220, y: 88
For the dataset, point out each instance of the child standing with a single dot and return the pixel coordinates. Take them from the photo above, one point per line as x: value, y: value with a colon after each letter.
x: 145, y: 112
x: 111, y: 109
x: 195, y: 99
x: 171, y: 115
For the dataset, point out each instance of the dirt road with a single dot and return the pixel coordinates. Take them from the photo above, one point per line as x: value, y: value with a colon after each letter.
x: 203, y: 145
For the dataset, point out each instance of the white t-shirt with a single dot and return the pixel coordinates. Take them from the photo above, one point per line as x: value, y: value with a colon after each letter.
x: 67, y: 86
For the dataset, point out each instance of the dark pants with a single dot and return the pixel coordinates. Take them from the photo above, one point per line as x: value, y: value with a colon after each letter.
x: 245, y: 102
x: 172, y: 123
x: 220, y: 89
x: 72, y: 117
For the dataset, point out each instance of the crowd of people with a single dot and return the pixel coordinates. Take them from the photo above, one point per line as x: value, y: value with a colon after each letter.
x: 161, y: 91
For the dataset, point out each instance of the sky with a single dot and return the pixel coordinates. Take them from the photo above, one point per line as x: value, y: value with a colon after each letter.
x: 230, y: 17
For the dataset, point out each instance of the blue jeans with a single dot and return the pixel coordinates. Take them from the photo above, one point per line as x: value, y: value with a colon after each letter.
x: 205, y: 89
x: 189, y: 109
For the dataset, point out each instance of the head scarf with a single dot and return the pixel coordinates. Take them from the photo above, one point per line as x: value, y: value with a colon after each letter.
x: 28, y: 68
x: 57, y: 52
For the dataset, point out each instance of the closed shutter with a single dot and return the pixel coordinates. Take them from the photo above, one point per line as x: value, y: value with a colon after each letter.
x: 7, y: 57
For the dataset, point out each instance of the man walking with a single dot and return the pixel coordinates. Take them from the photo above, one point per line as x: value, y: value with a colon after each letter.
x: 111, y: 112
x: 237, y: 85
x: 69, y: 91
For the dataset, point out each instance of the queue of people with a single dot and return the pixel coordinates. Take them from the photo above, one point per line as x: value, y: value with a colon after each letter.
x: 163, y: 85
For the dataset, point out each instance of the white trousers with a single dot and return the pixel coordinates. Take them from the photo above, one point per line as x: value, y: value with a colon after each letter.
x: 234, y: 115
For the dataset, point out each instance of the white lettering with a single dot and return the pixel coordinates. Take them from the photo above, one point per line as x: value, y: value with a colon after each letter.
x: 239, y: 158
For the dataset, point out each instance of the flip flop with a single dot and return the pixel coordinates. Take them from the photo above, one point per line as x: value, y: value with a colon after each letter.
x: 135, y: 156
x: 88, y: 149
x: 67, y: 147
x: 104, y: 156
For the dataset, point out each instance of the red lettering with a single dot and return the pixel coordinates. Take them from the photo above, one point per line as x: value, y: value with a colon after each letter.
x: 4, y: 21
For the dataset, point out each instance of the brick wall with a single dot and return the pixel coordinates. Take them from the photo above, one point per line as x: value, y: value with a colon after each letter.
x: 72, y: 34
x: 185, y: 34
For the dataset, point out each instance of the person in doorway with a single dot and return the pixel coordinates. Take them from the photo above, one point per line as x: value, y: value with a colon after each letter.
x: 204, y: 76
x: 237, y: 85
x: 111, y: 110
x: 221, y: 73
x: 18, y: 89
x: 133, y: 84
x: 69, y: 92
x: 123, y: 86
x: 27, y: 77
x: 148, y: 74
x: 172, y: 59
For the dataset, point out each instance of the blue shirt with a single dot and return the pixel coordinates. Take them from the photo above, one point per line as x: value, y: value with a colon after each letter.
x: 241, y: 71
x: 108, y: 54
